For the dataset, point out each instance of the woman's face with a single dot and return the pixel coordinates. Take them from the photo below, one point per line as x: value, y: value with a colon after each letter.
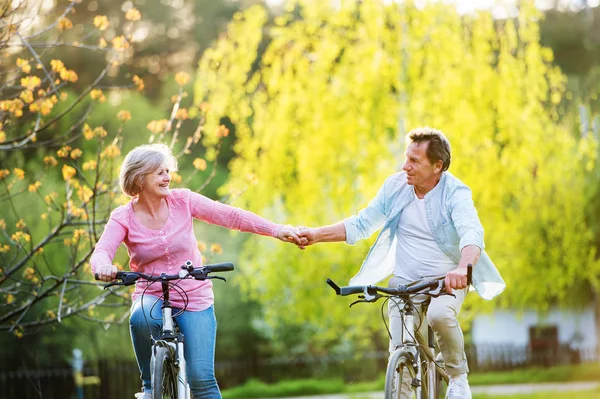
x: 156, y: 184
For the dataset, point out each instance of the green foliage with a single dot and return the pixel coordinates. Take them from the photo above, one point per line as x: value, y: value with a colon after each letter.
x: 321, y: 99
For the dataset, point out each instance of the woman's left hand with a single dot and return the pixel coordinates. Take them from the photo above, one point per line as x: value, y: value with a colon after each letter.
x: 289, y: 233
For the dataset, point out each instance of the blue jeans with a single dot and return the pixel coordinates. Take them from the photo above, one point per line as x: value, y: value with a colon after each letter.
x: 199, y: 330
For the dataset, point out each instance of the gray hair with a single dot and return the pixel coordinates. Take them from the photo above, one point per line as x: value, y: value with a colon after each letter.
x: 439, y: 147
x: 139, y: 162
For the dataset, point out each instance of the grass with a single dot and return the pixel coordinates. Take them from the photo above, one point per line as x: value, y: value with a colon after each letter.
x: 594, y: 394
x: 586, y: 372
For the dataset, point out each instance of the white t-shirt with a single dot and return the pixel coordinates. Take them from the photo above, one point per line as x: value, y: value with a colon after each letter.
x: 417, y: 253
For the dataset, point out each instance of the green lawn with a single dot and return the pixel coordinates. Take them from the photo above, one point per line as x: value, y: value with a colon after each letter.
x: 595, y: 394
x: 588, y: 372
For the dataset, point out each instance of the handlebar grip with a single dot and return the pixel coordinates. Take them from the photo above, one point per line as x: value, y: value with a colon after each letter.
x: 333, y: 285
x: 469, y: 274
x: 356, y: 289
x: 117, y: 277
x: 219, y: 267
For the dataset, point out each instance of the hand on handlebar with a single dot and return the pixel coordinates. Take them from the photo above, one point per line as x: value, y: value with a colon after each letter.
x: 106, y: 273
x: 458, y: 278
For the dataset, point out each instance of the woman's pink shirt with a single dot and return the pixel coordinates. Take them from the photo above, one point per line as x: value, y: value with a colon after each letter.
x: 165, y: 250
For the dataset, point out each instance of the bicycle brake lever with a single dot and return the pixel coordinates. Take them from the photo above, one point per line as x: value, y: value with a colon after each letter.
x: 217, y: 277
x: 355, y: 302
x: 440, y: 291
x: 112, y: 283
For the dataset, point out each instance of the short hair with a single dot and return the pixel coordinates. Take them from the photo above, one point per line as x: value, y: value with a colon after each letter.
x: 139, y: 162
x: 439, y: 147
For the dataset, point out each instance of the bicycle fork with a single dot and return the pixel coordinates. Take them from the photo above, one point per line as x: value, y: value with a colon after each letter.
x: 183, y: 389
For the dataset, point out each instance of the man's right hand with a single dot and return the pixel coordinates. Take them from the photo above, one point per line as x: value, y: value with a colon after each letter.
x: 106, y: 273
x: 312, y: 236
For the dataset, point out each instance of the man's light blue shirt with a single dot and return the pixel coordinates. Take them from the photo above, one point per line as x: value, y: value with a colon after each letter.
x: 452, y: 219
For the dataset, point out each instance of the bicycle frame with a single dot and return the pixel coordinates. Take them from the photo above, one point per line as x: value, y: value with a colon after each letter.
x: 419, y: 350
x: 172, y: 338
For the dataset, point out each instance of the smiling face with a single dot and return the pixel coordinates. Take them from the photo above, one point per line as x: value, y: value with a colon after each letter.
x: 420, y: 172
x: 156, y: 183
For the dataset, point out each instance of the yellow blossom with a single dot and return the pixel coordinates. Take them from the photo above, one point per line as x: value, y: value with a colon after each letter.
x: 85, y: 193
x: 78, y: 233
x: 68, y: 241
x: 4, y: 248
x: 4, y: 173
x: 34, y: 187
x: 182, y: 78
x: 222, y: 131
x: 100, y: 132
x: 68, y: 172
x: 50, y: 198
x: 182, y: 114
x: 20, y: 224
x: 88, y: 133
x: 20, y: 236
x: 111, y: 151
x: 89, y: 165
x: 133, y: 15
x: 68, y: 75
x: 19, y: 173
x: 76, y: 153
x: 24, y: 65
x: 44, y: 216
x: 10, y: 298
x: 216, y: 248
x: 51, y: 314
x: 120, y: 43
x: 139, y: 82
x: 199, y: 164
x: 124, y: 115
x: 201, y: 246
x: 157, y: 126
x: 26, y: 96
x: 2, y: 136
x: 57, y: 65
x: 176, y: 178
x: 64, y: 151
x: 30, y: 82
x: 64, y: 96
x: 102, y: 43
x: 97, y: 94
x: 50, y: 161
x: 101, y: 22
x: 40, y: 250
x: 2, y: 224
x: 65, y: 24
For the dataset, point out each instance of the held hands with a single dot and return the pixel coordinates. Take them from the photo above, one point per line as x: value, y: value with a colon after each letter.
x: 106, y: 272
x: 289, y: 233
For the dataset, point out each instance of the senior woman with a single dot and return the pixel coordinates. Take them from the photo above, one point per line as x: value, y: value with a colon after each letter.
x: 156, y: 227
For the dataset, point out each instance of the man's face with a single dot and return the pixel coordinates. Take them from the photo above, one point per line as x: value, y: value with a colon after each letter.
x: 420, y: 172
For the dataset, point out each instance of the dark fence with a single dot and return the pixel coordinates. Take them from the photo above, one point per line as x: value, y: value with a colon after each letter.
x: 120, y: 379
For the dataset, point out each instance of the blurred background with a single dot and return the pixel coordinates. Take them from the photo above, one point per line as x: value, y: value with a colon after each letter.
x: 297, y: 111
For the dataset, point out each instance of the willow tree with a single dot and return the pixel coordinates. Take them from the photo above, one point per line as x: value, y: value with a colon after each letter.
x: 321, y: 98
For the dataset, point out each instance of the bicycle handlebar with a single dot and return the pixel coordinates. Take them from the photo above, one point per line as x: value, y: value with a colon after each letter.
x: 188, y: 271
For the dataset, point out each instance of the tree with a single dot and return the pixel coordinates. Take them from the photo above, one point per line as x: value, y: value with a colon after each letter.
x: 60, y: 148
x: 321, y: 99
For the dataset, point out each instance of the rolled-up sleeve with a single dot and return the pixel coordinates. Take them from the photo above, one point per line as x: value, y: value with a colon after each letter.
x: 106, y: 247
x: 465, y: 218
x: 368, y: 220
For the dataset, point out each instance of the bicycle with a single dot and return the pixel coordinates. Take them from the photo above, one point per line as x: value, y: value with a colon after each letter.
x: 169, y: 379
x: 416, y: 356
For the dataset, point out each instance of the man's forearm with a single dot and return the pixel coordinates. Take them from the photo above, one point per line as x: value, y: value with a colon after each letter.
x: 469, y: 254
x: 332, y: 233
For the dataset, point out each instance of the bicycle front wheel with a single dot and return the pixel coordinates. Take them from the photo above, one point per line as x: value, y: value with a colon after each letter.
x: 398, y: 377
x: 164, y: 374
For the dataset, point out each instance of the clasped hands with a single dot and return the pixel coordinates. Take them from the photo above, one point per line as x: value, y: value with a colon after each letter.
x: 301, y: 236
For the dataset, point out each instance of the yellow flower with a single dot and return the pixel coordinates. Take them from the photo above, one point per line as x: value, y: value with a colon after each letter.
x: 139, y: 82
x: 2, y: 224
x: 97, y: 94
x: 199, y: 164
x: 34, y: 187
x: 27, y: 96
x: 51, y: 314
x: 100, y: 132
x: 2, y: 136
x: 133, y: 15
x: 68, y: 75
x: 88, y: 133
x: 50, y: 161
x: 64, y: 96
x: 4, y: 173
x: 157, y: 126
x: 68, y: 172
x: 44, y: 216
x: 4, y: 248
x: 176, y: 178
x: 65, y: 24
x: 102, y: 43
x: 222, y: 131
x: 90, y: 165
x: 24, y: 65
x: 64, y: 151
x: 57, y: 65
x: 10, y: 298
x: 19, y: 173
x: 101, y: 22
x: 30, y: 82
x: 201, y: 246
x: 182, y: 114
x: 111, y: 151
x: 76, y: 153
x: 120, y: 43
x: 20, y: 224
x: 216, y: 248
x: 85, y: 193
x: 123, y: 115
x: 182, y: 78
